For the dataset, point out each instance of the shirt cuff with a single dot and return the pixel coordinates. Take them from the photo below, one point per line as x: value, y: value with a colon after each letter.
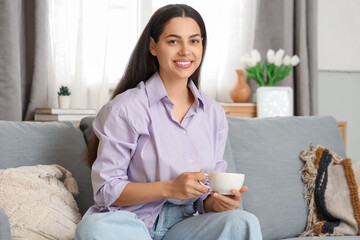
x: 199, y: 204
x: 110, y: 193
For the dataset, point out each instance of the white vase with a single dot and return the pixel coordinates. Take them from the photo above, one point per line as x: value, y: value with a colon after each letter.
x: 64, y: 101
x: 274, y: 101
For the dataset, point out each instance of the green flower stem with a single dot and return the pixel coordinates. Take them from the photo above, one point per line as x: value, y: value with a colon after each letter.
x: 269, y: 71
x: 282, y: 74
x: 260, y: 74
x: 251, y: 74
x: 273, y: 76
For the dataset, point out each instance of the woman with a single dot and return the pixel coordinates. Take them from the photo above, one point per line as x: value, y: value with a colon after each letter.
x: 156, y: 139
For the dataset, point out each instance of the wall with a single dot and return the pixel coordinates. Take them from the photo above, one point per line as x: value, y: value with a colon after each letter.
x: 339, y: 66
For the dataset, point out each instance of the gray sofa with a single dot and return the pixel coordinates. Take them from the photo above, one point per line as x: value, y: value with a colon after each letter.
x: 266, y: 150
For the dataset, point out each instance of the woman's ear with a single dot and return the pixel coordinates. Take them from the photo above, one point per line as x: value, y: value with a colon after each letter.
x: 152, y: 46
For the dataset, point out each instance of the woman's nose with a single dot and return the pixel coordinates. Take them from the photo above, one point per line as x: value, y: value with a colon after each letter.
x: 184, y: 49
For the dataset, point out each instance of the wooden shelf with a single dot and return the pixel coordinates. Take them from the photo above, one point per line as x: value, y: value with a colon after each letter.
x: 240, y: 109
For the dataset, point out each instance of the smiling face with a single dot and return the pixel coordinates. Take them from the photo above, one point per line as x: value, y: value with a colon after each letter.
x: 179, y: 49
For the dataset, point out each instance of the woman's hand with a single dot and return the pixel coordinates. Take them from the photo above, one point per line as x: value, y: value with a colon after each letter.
x: 186, y: 186
x: 220, y: 203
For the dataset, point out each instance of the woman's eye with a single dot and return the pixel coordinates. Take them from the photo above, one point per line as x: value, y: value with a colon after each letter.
x: 173, y: 41
x: 195, y: 41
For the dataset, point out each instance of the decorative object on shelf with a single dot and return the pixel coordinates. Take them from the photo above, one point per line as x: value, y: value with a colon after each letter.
x: 61, y: 114
x: 274, y: 101
x: 64, y: 97
x: 274, y: 69
x: 240, y: 91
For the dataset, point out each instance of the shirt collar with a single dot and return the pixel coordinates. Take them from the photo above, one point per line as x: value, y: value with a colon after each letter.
x: 198, y: 95
x: 156, y: 91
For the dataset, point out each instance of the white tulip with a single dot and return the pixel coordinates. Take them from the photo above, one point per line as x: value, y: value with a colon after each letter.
x: 278, y: 57
x: 251, y: 62
x: 287, y: 60
x: 279, y: 53
x: 295, y: 60
x: 270, y: 56
x: 278, y: 62
x: 255, y: 55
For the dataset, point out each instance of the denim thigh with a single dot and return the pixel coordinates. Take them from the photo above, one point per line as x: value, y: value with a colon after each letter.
x: 234, y: 224
x: 112, y: 225
x: 170, y: 215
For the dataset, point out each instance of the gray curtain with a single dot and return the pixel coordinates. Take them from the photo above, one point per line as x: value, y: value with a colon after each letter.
x: 24, y: 44
x: 292, y: 26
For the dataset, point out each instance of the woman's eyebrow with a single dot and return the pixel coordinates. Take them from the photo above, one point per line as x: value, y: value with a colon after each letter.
x: 195, y: 35
x: 177, y: 36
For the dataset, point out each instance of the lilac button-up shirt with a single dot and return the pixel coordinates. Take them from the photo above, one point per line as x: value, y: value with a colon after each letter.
x: 141, y: 141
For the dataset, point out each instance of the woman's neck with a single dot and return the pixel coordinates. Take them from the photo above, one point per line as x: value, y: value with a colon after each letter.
x: 177, y: 89
x: 181, y: 96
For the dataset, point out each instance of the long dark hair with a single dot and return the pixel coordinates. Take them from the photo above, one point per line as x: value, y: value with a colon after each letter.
x: 142, y: 64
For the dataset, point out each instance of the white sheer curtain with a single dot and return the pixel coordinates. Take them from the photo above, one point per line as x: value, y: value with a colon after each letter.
x: 230, y: 26
x: 83, y: 57
x: 79, y: 50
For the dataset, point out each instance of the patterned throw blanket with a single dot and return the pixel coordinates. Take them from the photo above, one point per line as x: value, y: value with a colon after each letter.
x: 332, y: 193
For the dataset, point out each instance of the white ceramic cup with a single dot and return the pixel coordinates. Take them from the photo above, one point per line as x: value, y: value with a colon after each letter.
x: 223, y: 183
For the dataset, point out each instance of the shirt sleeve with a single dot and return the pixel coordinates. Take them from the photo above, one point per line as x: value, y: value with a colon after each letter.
x: 220, y: 165
x: 117, y: 143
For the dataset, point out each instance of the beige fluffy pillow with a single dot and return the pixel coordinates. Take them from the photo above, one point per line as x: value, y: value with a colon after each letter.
x: 38, y: 204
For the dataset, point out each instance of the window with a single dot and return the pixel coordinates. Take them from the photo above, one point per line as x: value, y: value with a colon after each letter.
x: 122, y: 36
x: 93, y: 40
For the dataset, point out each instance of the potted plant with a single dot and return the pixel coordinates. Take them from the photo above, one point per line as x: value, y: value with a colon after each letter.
x: 64, y: 97
x: 274, y: 69
x: 271, y: 100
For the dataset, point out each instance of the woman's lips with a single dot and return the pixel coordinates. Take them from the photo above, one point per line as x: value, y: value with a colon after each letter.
x: 183, y: 63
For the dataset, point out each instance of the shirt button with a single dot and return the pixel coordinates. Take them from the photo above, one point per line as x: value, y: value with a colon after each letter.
x: 184, y: 131
x: 191, y: 161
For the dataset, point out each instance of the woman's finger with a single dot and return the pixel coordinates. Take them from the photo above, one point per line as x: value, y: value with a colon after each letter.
x: 200, y: 188
x: 221, y: 205
x: 243, y: 189
x: 227, y: 201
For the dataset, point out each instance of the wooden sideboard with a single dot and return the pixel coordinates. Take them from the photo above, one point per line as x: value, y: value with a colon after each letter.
x: 249, y: 110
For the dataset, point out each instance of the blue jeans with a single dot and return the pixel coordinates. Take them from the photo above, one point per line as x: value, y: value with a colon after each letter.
x: 174, y: 222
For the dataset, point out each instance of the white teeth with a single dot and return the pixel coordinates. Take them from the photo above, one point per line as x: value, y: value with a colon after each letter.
x: 183, y: 63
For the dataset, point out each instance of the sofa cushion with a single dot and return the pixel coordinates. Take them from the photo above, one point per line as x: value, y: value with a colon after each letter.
x: 33, y: 143
x: 267, y: 150
x: 86, y: 127
x: 332, y: 191
x: 5, y: 233
x: 38, y: 204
